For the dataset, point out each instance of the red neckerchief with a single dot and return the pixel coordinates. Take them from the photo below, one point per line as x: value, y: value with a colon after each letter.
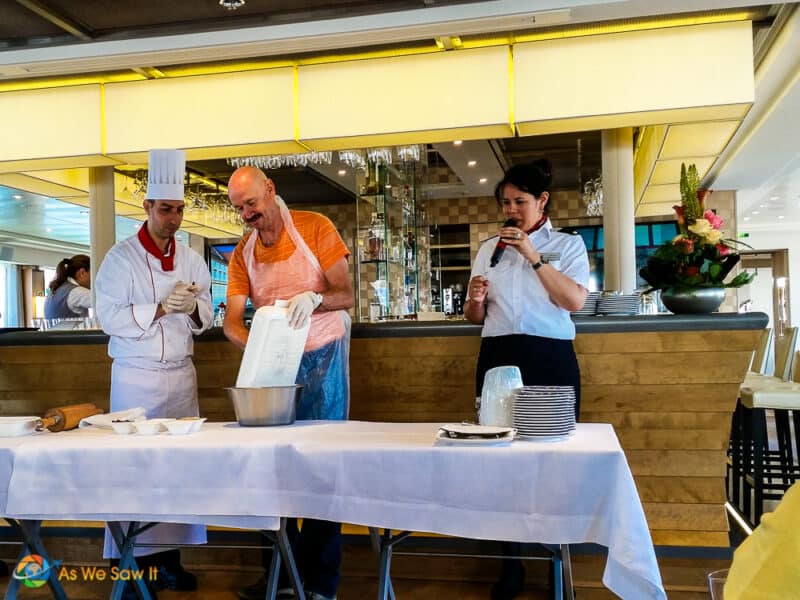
x: 167, y: 258
x: 538, y: 225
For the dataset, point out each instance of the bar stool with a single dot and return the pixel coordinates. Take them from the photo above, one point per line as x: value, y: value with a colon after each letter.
x: 768, y: 475
x: 754, y: 377
x: 756, y: 472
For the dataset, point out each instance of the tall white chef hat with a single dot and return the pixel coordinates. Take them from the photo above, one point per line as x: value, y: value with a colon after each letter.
x: 166, y: 170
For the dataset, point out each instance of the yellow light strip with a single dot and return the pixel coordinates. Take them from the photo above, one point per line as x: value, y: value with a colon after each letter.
x: 511, y: 88
x: 296, y: 103
x: 102, y: 118
x: 36, y: 84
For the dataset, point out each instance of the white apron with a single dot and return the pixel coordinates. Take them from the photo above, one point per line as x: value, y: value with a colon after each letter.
x: 324, y: 369
x: 164, y: 389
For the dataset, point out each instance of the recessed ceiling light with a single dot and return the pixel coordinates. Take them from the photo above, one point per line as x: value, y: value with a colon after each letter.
x: 388, y: 186
x: 232, y: 4
x: 342, y: 172
x: 773, y: 198
x: 761, y: 205
x: 472, y: 163
x: 17, y: 197
x: 482, y: 180
x: 747, y: 218
x: 755, y: 212
x: 780, y: 216
x: 457, y: 143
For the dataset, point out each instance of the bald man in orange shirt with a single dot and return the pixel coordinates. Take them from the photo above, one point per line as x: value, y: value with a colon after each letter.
x: 296, y: 256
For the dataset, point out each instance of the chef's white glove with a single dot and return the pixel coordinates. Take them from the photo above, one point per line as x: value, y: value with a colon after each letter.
x: 301, y: 306
x: 182, y: 299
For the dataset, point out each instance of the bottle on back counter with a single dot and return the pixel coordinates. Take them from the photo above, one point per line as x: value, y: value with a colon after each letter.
x: 219, y: 318
x: 63, y: 418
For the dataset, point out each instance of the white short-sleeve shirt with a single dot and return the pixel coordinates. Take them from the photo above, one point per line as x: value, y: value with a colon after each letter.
x: 517, y: 302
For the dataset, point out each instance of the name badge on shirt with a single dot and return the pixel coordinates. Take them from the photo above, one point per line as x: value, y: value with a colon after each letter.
x: 554, y: 258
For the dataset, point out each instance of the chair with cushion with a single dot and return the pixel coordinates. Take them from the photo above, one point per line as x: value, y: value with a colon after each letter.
x: 766, y: 474
x: 754, y: 377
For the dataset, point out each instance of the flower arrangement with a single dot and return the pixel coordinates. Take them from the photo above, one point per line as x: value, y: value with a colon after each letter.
x: 698, y: 257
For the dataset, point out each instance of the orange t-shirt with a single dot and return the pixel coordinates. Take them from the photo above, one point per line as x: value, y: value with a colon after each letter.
x: 316, y: 230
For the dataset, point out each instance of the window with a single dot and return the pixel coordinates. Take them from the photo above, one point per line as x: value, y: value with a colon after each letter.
x: 648, y: 237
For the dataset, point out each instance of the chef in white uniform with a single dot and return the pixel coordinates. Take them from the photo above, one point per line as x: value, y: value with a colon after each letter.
x: 152, y: 297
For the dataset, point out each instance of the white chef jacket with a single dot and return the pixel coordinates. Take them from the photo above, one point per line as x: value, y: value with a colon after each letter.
x: 152, y: 358
x: 517, y: 302
x: 129, y: 287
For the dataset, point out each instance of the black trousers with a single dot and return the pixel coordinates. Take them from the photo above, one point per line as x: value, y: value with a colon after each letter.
x: 317, y: 550
x: 542, y: 361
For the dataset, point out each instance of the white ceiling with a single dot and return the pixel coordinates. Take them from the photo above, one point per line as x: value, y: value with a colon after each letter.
x: 762, y: 162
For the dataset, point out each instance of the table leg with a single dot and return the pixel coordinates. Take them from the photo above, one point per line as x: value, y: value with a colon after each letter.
x: 567, y: 566
x: 274, y: 572
x: 127, y: 561
x: 384, y: 565
x: 558, y: 576
x: 31, y: 535
x: 281, y: 539
x: 385, y: 590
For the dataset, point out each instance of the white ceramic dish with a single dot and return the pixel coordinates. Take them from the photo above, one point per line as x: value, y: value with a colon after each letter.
x: 544, y: 438
x: 185, y: 425
x: 151, y: 426
x: 463, y: 429
x: 16, y: 426
x: 442, y: 438
x: 123, y: 427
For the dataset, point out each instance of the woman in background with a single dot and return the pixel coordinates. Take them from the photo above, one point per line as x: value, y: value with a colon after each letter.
x: 523, y: 286
x: 69, y: 291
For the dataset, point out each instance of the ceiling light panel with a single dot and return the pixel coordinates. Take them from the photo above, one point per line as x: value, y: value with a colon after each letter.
x: 698, y: 139
x: 669, y: 171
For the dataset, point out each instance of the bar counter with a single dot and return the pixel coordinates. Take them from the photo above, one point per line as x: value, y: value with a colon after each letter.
x: 668, y: 384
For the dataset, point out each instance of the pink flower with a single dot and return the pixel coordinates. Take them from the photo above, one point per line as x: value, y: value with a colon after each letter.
x: 714, y: 220
x: 684, y: 244
x: 723, y: 250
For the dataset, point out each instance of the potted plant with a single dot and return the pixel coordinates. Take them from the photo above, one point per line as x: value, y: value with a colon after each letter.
x: 690, y: 270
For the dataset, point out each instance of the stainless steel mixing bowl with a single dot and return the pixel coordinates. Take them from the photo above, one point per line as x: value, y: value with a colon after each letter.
x: 262, y: 406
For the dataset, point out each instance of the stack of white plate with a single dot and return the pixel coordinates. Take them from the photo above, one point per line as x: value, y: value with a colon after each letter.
x: 622, y: 304
x: 544, y: 412
x: 590, y: 306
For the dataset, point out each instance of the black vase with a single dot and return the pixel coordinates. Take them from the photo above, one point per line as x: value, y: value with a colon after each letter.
x: 699, y: 301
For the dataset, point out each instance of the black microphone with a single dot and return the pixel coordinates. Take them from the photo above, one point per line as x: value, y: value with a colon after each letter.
x: 501, y: 245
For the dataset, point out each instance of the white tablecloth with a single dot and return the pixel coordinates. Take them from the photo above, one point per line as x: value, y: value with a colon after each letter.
x: 378, y: 474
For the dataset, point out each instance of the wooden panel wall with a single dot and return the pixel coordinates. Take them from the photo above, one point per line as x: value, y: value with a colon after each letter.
x: 669, y: 396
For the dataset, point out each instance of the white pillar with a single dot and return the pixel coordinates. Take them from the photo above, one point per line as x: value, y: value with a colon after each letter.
x: 102, y: 229
x: 619, y: 226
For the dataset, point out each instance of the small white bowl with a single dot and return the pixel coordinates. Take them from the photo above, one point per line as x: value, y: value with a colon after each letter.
x: 197, y: 423
x: 151, y: 426
x: 185, y: 425
x: 16, y: 426
x: 124, y: 427
x: 179, y: 427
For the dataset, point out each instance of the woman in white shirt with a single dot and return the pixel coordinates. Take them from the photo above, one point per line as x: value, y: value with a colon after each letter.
x: 523, y: 286
x: 70, y: 296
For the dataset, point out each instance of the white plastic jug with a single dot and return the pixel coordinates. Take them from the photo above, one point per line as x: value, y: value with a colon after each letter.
x: 274, y: 349
x: 497, y: 396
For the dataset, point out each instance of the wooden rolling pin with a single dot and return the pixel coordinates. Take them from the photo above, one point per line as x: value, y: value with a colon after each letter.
x: 63, y: 418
